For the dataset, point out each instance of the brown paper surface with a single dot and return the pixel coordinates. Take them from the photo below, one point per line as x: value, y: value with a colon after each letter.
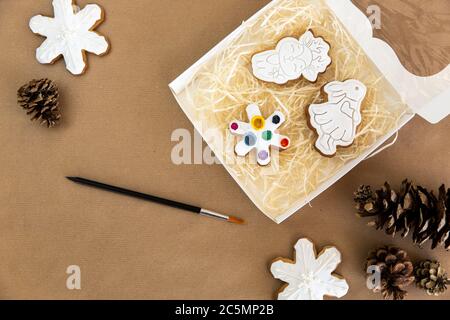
x: 118, y: 119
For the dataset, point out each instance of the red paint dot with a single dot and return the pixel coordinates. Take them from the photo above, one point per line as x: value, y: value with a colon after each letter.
x: 285, y: 143
x: 234, y: 126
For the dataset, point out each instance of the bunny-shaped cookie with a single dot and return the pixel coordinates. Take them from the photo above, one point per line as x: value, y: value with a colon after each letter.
x: 336, y: 121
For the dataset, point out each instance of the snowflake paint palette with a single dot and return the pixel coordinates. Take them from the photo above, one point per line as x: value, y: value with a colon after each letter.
x: 300, y: 60
x: 259, y: 134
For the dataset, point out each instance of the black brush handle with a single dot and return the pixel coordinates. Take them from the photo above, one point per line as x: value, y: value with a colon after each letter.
x: 135, y: 194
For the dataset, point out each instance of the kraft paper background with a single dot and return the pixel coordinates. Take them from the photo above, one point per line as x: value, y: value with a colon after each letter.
x: 117, y: 125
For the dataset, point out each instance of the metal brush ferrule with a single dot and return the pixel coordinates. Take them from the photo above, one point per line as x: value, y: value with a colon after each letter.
x: 212, y: 214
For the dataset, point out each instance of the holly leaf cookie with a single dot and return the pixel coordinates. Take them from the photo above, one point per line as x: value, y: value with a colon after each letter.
x: 70, y: 34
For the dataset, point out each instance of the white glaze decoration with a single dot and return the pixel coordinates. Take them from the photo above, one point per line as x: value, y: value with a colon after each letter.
x: 259, y: 134
x: 69, y: 34
x: 310, y: 277
x: 337, y: 120
x: 293, y: 58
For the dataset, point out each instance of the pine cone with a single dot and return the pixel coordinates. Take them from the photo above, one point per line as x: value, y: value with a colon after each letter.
x: 40, y: 98
x: 364, y: 200
x: 396, y: 271
x: 413, y: 208
x: 430, y: 276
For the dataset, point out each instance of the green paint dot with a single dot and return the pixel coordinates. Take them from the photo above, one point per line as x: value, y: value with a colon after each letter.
x: 267, y: 135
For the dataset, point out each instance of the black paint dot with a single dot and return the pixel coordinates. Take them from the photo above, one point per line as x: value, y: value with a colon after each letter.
x: 276, y: 119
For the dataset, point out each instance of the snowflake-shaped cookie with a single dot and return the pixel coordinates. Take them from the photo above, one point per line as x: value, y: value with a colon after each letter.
x: 259, y: 134
x: 70, y: 33
x: 310, y: 278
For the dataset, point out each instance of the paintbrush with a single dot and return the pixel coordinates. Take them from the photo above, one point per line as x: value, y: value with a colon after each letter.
x: 147, y: 197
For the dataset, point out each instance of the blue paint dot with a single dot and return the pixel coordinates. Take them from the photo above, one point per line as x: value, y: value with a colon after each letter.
x: 250, y: 139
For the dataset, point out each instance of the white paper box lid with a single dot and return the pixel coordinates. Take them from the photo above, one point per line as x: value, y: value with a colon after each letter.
x: 426, y: 96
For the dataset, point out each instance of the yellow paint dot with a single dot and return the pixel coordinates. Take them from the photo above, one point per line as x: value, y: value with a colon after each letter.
x: 258, y: 122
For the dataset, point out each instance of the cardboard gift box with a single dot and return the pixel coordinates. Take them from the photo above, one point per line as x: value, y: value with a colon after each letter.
x: 219, y: 87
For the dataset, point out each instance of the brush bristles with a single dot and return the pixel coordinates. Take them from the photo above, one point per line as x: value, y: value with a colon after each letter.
x: 236, y: 220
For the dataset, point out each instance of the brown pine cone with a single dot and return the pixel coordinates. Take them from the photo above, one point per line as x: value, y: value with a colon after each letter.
x: 365, y: 202
x: 439, y: 230
x: 40, y: 98
x: 413, y: 208
x: 431, y: 277
x: 382, y: 203
x: 396, y: 271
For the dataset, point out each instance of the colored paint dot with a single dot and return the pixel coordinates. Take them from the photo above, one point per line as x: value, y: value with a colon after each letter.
x: 250, y: 139
x: 284, y: 143
x: 267, y: 135
x: 276, y: 119
x: 258, y: 123
x: 234, y: 126
x: 263, y: 155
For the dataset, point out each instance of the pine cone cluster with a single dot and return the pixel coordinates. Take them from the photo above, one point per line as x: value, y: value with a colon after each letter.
x: 413, y: 210
x: 431, y: 277
x: 396, y: 271
x: 40, y: 99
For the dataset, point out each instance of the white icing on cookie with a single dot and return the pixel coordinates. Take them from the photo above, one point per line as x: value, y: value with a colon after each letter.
x: 68, y: 34
x: 310, y: 277
x: 337, y: 120
x: 292, y: 59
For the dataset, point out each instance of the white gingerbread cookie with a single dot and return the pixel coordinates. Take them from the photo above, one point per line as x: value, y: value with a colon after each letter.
x: 293, y: 58
x: 260, y: 134
x: 310, y: 277
x: 337, y: 120
x: 70, y: 33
